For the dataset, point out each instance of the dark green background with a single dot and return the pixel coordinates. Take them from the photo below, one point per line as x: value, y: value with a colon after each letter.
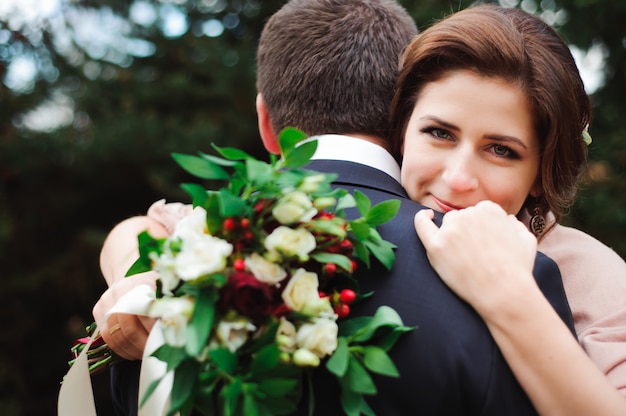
x: 62, y: 191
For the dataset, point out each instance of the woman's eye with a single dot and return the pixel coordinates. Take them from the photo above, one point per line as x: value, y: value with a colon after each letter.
x: 440, y: 134
x: 503, y: 151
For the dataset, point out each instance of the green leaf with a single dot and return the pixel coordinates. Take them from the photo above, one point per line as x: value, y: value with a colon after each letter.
x: 384, y: 316
x: 357, y: 379
x: 146, y: 244
x: 224, y: 359
x: 376, y: 360
x: 363, y: 203
x: 383, y: 212
x: 265, y: 360
x: 388, y: 340
x: 350, y: 326
x: 354, y: 404
x: 276, y: 387
x: 300, y: 155
x: 231, y: 205
x: 197, y: 192
x: 382, y: 250
x: 361, y: 252
x: 183, y: 387
x: 267, y: 338
x: 200, y: 167
x: 345, y: 202
x: 201, y: 322
x: 338, y: 361
x: 214, y: 219
x: 173, y: 356
x: 334, y: 226
x: 139, y: 266
x: 231, y: 393
x: 231, y: 154
x: 259, y: 172
x: 288, y: 138
x: 360, y: 229
x: 250, y: 405
x: 339, y: 259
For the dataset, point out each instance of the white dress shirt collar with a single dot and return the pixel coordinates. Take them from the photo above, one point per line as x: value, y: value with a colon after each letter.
x: 352, y: 149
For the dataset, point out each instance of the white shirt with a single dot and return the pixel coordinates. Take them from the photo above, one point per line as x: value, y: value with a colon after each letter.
x: 352, y: 149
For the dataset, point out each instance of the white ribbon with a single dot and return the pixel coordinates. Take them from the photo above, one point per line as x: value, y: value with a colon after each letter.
x: 76, y: 393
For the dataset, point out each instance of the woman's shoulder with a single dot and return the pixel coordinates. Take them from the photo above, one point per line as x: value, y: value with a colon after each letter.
x: 579, y: 247
x: 594, y: 275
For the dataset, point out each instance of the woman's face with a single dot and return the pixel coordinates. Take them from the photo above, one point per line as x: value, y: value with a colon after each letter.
x: 470, y: 138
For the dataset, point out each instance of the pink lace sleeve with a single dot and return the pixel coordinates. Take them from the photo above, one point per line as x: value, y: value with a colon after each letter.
x: 168, y: 214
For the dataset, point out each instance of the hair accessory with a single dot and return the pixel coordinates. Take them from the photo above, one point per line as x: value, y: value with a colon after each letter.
x: 537, y: 222
x: 586, y: 136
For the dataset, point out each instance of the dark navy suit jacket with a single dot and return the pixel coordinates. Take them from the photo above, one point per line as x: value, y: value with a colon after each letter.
x: 450, y: 364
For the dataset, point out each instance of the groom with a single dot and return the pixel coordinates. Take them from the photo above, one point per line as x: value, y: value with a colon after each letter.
x: 328, y: 67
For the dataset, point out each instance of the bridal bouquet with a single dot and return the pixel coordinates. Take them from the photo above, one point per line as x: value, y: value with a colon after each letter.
x: 256, y: 286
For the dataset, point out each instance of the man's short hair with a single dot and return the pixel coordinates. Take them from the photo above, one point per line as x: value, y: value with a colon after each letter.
x: 330, y: 66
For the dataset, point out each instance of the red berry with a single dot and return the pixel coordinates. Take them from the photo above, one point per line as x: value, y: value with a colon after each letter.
x: 244, y: 223
x: 335, y: 248
x: 346, y: 246
x: 239, y: 265
x: 342, y: 310
x: 330, y: 269
x: 259, y: 206
x: 347, y: 296
x: 229, y: 224
x: 248, y: 235
x: 321, y: 294
x: 354, y: 264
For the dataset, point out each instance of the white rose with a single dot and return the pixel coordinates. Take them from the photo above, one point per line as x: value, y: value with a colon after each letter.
x: 265, y: 271
x: 233, y: 334
x: 318, y: 307
x: 290, y: 242
x: 301, y: 289
x: 165, y: 265
x: 191, y: 225
x: 294, y: 207
x: 319, y: 336
x: 286, y: 336
x: 200, y: 255
x: 174, y: 314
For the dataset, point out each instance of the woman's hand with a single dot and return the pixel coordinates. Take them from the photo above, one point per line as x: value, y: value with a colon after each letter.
x: 126, y: 334
x: 484, y: 255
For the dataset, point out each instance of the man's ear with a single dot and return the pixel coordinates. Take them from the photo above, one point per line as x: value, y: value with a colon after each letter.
x: 270, y: 140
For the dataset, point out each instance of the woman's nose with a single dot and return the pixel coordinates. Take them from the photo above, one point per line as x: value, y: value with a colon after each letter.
x: 459, y: 173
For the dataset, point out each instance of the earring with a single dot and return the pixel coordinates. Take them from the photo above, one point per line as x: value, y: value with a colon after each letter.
x: 537, y: 222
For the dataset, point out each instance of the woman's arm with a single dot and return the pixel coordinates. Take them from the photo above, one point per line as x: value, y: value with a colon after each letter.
x: 486, y: 257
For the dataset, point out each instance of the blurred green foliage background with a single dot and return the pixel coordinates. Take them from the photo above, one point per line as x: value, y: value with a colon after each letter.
x: 95, y: 95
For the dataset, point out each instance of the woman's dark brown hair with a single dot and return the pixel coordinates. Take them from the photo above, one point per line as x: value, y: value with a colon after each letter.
x: 519, y: 47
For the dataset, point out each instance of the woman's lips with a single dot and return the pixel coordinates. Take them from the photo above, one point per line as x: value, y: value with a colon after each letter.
x: 445, y: 206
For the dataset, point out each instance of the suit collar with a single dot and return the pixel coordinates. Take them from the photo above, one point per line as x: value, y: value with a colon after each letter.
x: 356, y: 174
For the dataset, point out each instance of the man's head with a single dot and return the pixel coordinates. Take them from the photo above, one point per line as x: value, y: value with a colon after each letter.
x: 330, y: 66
